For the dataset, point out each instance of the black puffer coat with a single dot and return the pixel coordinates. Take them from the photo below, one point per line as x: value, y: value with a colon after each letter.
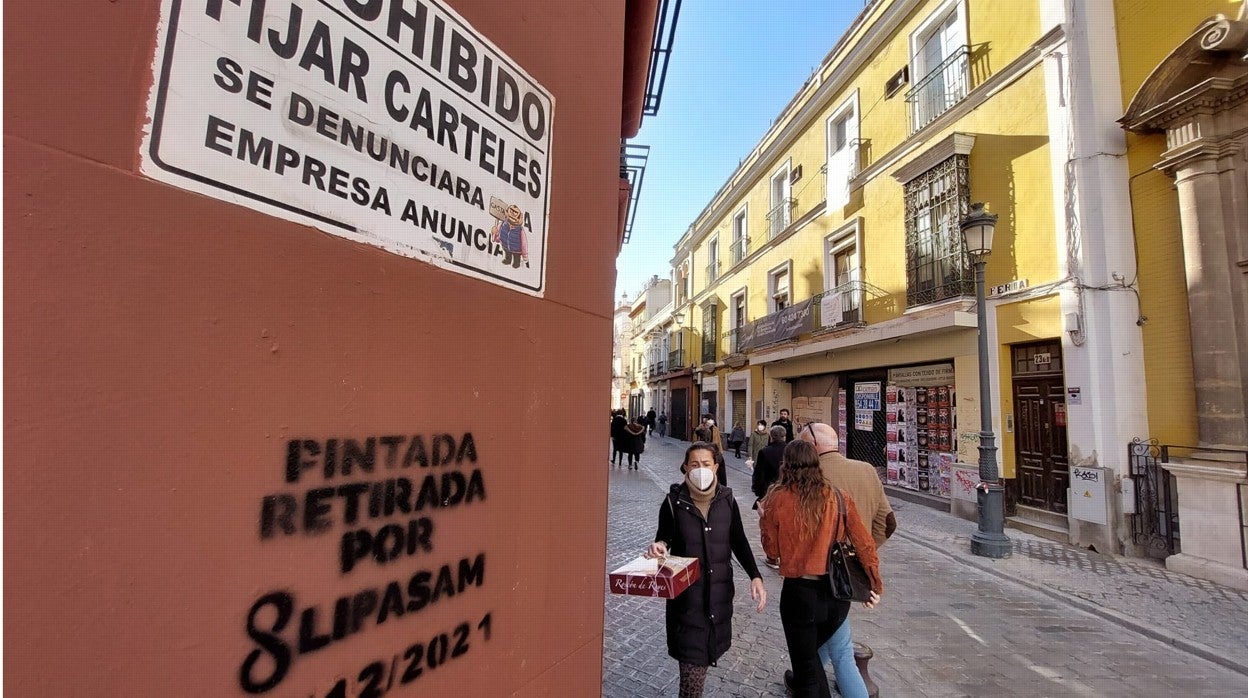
x: 699, y: 621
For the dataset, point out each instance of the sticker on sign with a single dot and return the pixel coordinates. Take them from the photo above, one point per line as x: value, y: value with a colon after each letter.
x: 404, y: 128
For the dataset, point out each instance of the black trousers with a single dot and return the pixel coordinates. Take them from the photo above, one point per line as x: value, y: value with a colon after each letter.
x: 810, y: 616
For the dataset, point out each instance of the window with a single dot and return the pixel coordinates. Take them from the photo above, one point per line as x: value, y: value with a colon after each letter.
x: 740, y: 239
x: 843, y: 276
x: 712, y: 257
x: 710, y: 332
x: 938, y: 57
x: 936, y: 265
x: 778, y: 287
x: 781, y: 202
x: 842, y: 151
x: 737, y: 321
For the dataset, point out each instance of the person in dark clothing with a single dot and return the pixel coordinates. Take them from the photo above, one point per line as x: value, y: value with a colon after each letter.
x: 663, y: 424
x: 784, y: 421
x: 650, y: 417
x: 635, y: 443
x: 699, y: 518
x: 767, y: 471
x: 618, y: 422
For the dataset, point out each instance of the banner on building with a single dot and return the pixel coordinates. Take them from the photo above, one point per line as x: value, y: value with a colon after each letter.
x: 407, y: 130
x: 786, y: 324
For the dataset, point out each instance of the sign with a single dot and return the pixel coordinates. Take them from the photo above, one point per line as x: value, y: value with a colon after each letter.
x: 1042, y: 358
x: 779, y: 326
x: 1087, y: 495
x: 921, y: 376
x: 830, y: 310
x: 1011, y: 287
x: 406, y: 129
x: 867, y: 396
x: 1073, y: 397
x: 864, y: 420
x: 807, y: 410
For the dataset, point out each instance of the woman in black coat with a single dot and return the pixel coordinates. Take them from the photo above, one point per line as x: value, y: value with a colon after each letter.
x: 699, y: 518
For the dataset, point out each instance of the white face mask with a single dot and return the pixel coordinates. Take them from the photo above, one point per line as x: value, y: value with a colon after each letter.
x: 710, y: 422
x: 761, y: 428
x: 702, y: 478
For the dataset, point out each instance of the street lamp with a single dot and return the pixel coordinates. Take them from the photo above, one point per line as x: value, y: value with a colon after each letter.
x: 989, y: 540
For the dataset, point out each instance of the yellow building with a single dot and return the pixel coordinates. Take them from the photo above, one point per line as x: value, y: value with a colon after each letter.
x: 828, y: 275
x: 1185, y: 91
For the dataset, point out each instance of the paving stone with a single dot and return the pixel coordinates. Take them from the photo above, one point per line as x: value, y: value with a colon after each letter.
x: 945, y: 627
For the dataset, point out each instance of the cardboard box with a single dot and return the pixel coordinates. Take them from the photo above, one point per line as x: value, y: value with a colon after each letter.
x: 643, y: 577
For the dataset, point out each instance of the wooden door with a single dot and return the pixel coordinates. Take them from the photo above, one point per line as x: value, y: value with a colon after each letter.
x: 1040, y: 449
x: 678, y: 415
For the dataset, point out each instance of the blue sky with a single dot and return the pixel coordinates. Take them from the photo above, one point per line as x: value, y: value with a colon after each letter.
x: 734, y: 65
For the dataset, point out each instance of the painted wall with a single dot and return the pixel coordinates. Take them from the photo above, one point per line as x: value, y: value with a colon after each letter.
x: 187, y: 382
x: 1018, y: 323
x: 1148, y: 30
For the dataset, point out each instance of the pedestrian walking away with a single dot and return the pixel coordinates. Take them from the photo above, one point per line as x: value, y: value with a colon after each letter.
x: 650, y: 420
x: 736, y: 439
x: 799, y: 523
x: 618, y: 423
x: 663, y: 424
x: 700, y: 518
x: 635, y: 442
x: 767, y: 466
x: 860, y: 482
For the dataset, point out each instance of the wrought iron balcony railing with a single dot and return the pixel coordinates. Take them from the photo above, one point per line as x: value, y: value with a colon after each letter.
x: 779, y: 217
x: 712, y: 271
x: 732, y: 340
x: 946, y: 85
x: 846, y: 305
x: 676, y: 359
x: 739, y: 250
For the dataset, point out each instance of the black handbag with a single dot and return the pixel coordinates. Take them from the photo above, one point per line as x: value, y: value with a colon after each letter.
x: 845, y: 571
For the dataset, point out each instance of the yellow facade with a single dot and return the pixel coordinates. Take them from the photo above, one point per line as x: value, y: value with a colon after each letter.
x: 1010, y: 169
x: 1146, y: 34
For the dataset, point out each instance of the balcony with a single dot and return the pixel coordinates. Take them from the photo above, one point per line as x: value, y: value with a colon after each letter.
x: 734, y: 340
x: 843, y: 309
x: 676, y: 359
x: 712, y: 272
x: 738, y: 250
x: 943, y: 87
x: 657, y: 368
x: 779, y: 217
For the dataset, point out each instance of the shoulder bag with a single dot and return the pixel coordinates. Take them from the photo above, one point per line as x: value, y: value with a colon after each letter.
x: 845, y: 572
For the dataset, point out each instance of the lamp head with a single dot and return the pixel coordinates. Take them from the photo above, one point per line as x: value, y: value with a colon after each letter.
x: 977, y: 231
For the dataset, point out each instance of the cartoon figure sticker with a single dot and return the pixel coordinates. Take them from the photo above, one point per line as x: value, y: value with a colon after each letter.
x: 510, y: 233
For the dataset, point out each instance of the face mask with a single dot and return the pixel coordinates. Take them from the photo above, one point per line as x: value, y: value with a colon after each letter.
x: 710, y: 422
x: 701, y: 478
x: 761, y: 429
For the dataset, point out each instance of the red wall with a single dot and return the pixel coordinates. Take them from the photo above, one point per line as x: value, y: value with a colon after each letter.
x: 163, y: 348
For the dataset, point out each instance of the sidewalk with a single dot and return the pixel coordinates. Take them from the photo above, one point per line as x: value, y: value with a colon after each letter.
x: 950, y: 624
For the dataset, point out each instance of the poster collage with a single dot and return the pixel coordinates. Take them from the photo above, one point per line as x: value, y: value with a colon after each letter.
x: 921, y: 437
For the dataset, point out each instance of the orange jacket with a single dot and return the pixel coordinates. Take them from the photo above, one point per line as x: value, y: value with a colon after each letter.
x: 781, y: 530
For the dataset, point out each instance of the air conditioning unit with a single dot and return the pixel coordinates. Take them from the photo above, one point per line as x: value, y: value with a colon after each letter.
x: 899, y: 80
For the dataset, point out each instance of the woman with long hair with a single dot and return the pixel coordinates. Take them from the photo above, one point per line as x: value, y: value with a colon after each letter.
x: 699, y: 518
x: 800, y: 521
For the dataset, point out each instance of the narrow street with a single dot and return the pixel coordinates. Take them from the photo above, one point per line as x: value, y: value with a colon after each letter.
x: 950, y: 624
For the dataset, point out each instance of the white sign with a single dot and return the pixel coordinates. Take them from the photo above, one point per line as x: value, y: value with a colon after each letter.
x: 921, y: 376
x: 1042, y: 358
x: 1087, y: 495
x: 405, y: 129
x: 830, y: 311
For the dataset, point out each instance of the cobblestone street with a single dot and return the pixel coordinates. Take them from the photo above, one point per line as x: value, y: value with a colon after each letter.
x: 950, y: 624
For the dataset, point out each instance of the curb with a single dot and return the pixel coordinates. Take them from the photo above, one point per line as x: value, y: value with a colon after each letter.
x: 1191, y: 647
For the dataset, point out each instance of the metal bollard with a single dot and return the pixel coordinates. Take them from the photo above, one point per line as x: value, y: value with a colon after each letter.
x: 862, y: 655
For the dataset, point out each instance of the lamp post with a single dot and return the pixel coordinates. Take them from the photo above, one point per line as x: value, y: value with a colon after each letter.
x: 989, y: 540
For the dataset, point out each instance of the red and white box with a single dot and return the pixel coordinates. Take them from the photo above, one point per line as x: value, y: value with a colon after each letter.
x: 664, y: 578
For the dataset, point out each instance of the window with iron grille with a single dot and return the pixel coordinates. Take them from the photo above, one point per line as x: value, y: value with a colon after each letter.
x: 936, y: 264
x: 739, y: 237
x: 710, y: 333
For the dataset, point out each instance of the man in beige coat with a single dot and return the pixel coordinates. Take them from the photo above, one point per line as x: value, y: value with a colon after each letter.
x: 860, y: 480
